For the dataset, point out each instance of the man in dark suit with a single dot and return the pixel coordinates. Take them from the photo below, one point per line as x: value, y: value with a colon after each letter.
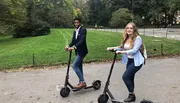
x: 80, y: 47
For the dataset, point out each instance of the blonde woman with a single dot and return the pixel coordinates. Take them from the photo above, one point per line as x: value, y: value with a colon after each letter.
x: 132, y: 56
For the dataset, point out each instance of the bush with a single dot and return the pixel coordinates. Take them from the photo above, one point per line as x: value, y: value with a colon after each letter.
x: 6, y: 29
x: 32, y: 28
x: 21, y: 31
x: 120, y: 17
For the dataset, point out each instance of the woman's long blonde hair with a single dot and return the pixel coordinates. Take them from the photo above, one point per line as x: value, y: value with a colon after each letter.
x: 133, y: 36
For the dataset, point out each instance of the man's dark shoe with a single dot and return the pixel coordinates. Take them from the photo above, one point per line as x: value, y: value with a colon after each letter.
x: 131, y: 98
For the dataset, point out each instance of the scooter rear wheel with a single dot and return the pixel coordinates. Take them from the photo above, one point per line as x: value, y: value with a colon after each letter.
x: 65, y: 92
x: 103, y: 98
x: 96, y: 84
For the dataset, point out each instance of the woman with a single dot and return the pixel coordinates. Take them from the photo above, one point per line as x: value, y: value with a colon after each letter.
x: 130, y: 48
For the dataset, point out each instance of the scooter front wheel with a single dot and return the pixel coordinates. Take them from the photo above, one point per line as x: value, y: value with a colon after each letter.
x: 103, y: 98
x: 65, y: 92
x: 96, y: 84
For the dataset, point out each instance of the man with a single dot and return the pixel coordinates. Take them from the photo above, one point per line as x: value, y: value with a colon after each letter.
x: 80, y: 46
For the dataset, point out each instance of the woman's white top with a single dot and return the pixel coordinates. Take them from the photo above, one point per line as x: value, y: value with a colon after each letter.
x: 128, y: 47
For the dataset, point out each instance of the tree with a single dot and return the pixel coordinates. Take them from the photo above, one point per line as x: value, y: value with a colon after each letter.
x: 81, y: 7
x: 36, y: 20
x: 61, y: 13
x: 120, y: 17
x: 12, y: 13
x: 95, y: 7
x: 139, y: 8
x: 59, y: 17
x: 171, y: 7
x: 162, y: 12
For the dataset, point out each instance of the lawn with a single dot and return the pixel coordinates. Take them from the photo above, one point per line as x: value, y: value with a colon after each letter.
x: 49, y: 49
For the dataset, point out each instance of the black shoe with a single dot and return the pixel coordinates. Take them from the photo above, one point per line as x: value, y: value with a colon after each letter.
x: 131, y: 98
x: 146, y: 101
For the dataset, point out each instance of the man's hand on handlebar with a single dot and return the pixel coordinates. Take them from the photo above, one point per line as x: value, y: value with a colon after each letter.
x: 71, y: 48
x: 67, y: 48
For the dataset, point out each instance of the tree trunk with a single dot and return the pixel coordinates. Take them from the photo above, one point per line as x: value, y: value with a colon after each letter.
x: 165, y: 20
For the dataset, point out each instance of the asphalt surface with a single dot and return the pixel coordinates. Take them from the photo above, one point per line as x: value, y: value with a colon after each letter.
x: 171, y: 33
x: 158, y: 81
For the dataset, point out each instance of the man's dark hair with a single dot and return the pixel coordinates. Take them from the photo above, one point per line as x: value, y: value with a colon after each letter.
x: 77, y: 19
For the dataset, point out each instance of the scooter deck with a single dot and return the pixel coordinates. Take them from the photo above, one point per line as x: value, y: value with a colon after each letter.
x: 116, y: 101
x: 78, y: 89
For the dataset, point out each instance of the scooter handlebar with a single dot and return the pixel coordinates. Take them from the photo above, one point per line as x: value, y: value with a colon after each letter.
x: 111, y: 49
x: 69, y: 49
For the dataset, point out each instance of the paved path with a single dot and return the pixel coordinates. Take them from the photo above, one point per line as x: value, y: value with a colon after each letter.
x: 171, y: 33
x: 158, y: 81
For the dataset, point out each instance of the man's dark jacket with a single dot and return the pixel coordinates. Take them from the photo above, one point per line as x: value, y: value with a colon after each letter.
x: 80, y: 42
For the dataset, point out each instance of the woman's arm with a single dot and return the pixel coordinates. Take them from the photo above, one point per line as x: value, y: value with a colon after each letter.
x: 137, y: 45
x: 118, y: 48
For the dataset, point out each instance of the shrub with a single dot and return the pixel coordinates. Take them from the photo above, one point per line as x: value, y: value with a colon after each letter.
x: 32, y: 28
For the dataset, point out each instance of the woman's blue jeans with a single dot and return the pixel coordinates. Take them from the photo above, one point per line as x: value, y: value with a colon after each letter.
x: 78, y: 67
x: 129, y: 74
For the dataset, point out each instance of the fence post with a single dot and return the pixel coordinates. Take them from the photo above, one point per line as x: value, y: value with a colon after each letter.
x: 166, y: 32
x: 162, y: 53
x: 153, y: 32
x: 144, y: 30
x: 33, y: 60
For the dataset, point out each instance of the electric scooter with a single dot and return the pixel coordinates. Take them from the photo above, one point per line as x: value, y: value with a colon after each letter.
x: 64, y: 92
x: 103, y: 98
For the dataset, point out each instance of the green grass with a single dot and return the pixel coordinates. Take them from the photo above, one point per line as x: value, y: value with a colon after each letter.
x: 49, y: 49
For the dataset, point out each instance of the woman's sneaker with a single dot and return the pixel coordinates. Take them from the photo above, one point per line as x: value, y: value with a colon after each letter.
x: 130, y: 98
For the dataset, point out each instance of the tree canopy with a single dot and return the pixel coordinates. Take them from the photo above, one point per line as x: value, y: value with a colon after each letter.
x: 25, y: 14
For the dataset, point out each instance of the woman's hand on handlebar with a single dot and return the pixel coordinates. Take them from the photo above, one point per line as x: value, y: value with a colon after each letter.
x: 110, y: 48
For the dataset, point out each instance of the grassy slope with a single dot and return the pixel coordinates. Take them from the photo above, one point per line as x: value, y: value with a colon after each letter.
x: 49, y: 49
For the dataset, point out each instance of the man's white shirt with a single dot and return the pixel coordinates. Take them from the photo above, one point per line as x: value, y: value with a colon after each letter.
x: 77, y: 32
